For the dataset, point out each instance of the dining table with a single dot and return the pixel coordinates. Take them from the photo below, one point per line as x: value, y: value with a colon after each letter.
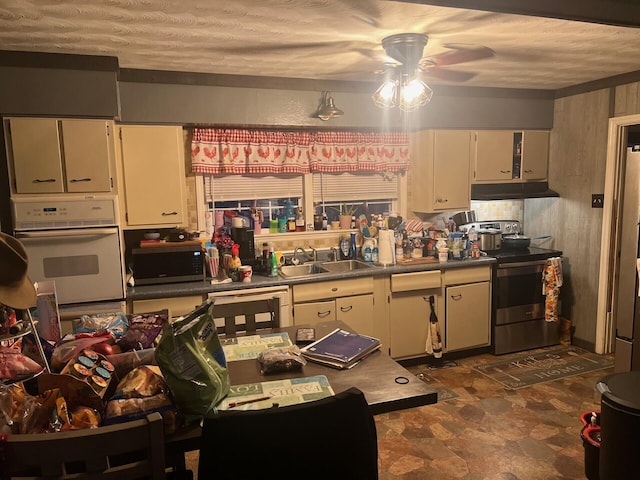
x: 387, y: 386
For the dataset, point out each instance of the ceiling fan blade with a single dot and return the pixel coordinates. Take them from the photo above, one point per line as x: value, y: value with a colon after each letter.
x: 459, y: 54
x: 449, y: 75
x: 366, y: 11
x: 274, y: 47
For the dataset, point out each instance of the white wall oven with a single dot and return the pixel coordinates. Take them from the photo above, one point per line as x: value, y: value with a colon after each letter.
x: 74, y: 241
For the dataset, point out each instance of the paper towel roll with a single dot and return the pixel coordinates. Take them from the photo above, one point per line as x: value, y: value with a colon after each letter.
x: 386, y: 247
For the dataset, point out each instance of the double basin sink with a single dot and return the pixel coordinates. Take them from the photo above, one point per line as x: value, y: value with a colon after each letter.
x: 315, y: 268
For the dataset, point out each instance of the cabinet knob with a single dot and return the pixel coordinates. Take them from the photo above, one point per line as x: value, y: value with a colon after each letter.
x: 505, y: 171
x: 168, y: 214
x: 346, y: 309
x: 324, y: 314
x: 456, y: 297
x: 46, y: 180
x: 77, y: 180
x: 528, y: 171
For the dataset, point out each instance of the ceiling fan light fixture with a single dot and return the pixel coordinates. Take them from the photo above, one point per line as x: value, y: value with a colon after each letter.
x: 414, y: 93
x: 385, y: 96
x: 327, y: 108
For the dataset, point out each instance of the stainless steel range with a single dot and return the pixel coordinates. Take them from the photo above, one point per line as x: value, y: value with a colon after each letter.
x: 518, y: 303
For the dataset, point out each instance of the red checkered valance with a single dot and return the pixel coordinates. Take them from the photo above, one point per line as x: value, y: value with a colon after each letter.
x: 215, y: 151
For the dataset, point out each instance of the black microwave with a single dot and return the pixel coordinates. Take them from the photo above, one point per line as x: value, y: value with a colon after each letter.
x: 168, y: 264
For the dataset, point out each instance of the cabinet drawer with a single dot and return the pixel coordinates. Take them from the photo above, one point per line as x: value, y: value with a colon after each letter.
x: 467, y: 275
x: 338, y: 288
x: 177, y: 306
x: 405, y: 282
x: 314, y: 312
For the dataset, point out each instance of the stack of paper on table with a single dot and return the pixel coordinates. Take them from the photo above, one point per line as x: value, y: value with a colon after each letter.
x: 340, y: 349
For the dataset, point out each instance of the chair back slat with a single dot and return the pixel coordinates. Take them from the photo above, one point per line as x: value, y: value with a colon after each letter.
x: 124, y: 451
x: 243, y: 316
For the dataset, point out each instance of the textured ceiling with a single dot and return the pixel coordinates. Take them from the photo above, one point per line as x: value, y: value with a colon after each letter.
x: 317, y: 39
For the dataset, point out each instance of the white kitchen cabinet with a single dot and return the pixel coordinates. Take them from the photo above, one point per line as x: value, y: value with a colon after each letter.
x: 49, y: 155
x: 152, y: 166
x: 535, y: 155
x: 440, y: 169
x: 494, y: 156
x: 468, y: 308
x: 507, y: 156
x: 410, y: 311
x: 350, y: 301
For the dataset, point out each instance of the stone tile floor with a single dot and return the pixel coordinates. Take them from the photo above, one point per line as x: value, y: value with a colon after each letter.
x: 486, y: 432
x: 489, y: 432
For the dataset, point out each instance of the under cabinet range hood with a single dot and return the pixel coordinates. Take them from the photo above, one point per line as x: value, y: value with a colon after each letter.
x: 506, y: 191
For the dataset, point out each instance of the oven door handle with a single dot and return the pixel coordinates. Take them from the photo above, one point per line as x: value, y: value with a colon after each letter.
x: 523, y: 264
x: 68, y: 233
x: 520, y: 268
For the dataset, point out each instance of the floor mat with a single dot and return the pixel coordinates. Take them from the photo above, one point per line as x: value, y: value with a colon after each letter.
x: 523, y: 370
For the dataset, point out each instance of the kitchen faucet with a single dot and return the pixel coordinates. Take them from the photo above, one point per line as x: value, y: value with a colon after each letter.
x: 313, y: 256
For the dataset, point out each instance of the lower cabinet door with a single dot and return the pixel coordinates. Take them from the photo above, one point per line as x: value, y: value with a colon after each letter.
x: 409, y: 322
x: 468, y: 316
x: 357, y: 312
x: 314, y: 312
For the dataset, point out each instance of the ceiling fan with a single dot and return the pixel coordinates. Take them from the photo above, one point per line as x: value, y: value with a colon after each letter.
x: 402, y: 86
x: 406, y: 51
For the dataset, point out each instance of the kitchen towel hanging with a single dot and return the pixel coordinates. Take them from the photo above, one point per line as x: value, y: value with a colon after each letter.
x: 552, y: 280
x: 433, y: 345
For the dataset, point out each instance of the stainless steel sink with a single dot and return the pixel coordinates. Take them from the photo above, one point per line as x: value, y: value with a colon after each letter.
x: 344, y: 266
x: 304, y: 270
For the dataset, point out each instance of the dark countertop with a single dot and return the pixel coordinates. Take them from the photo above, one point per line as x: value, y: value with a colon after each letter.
x: 146, y: 292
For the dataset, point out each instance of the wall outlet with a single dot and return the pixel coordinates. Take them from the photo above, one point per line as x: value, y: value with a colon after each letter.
x: 597, y: 200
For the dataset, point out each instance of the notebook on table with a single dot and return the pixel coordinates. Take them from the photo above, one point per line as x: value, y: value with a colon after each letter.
x: 340, y: 349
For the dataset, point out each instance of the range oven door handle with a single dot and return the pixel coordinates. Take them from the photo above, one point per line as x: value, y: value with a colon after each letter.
x: 67, y: 233
x: 523, y: 264
x: 520, y: 268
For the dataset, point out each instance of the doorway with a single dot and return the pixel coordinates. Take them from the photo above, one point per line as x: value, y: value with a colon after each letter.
x: 620, y: 130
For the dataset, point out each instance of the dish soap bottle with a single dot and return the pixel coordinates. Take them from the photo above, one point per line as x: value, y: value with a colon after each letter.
x: 344, y: 248
x: 273, y: 262
x: 353, y: 250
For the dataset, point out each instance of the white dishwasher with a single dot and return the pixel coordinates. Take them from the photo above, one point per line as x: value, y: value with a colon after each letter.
x: 258, y: 293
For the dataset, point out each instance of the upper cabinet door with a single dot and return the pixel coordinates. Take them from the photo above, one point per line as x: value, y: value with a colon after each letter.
x: 37, y: 159
x: 440, y: 169
x: 154, y: 179
x: 494, y: 156
x: 451, y: 153
x: 535, y: 155
x: 88, y: 155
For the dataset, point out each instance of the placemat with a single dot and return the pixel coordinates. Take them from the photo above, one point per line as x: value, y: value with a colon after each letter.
x: 281, y: 392
x: 249, y: 347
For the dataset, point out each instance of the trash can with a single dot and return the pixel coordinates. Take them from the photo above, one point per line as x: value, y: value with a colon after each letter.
x: 619, y: 425
x: 591, y: 438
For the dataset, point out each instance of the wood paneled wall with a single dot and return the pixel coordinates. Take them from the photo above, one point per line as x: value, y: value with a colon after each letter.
x: 577, y: 159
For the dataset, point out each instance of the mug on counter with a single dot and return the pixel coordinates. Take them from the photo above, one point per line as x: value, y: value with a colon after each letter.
x: 245, y: 273
x: 280, y: 259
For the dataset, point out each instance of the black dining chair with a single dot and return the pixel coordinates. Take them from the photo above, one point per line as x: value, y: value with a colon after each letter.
x: 129, y: 450
x: 331, y: 438
x: 242, y: 316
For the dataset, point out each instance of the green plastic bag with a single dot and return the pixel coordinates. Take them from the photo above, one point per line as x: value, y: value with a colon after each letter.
x: 192, y: 361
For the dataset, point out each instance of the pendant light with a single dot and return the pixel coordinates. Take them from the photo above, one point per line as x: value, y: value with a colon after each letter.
x: 327, y: 108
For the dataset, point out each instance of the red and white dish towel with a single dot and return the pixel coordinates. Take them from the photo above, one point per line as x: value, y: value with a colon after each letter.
x: 551, y: 283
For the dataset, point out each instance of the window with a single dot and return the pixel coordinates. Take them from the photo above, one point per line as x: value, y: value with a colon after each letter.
x: 370, y: 193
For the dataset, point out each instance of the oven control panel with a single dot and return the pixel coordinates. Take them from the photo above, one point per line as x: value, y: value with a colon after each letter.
x: 63, y: 212
x: 506, y: 227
